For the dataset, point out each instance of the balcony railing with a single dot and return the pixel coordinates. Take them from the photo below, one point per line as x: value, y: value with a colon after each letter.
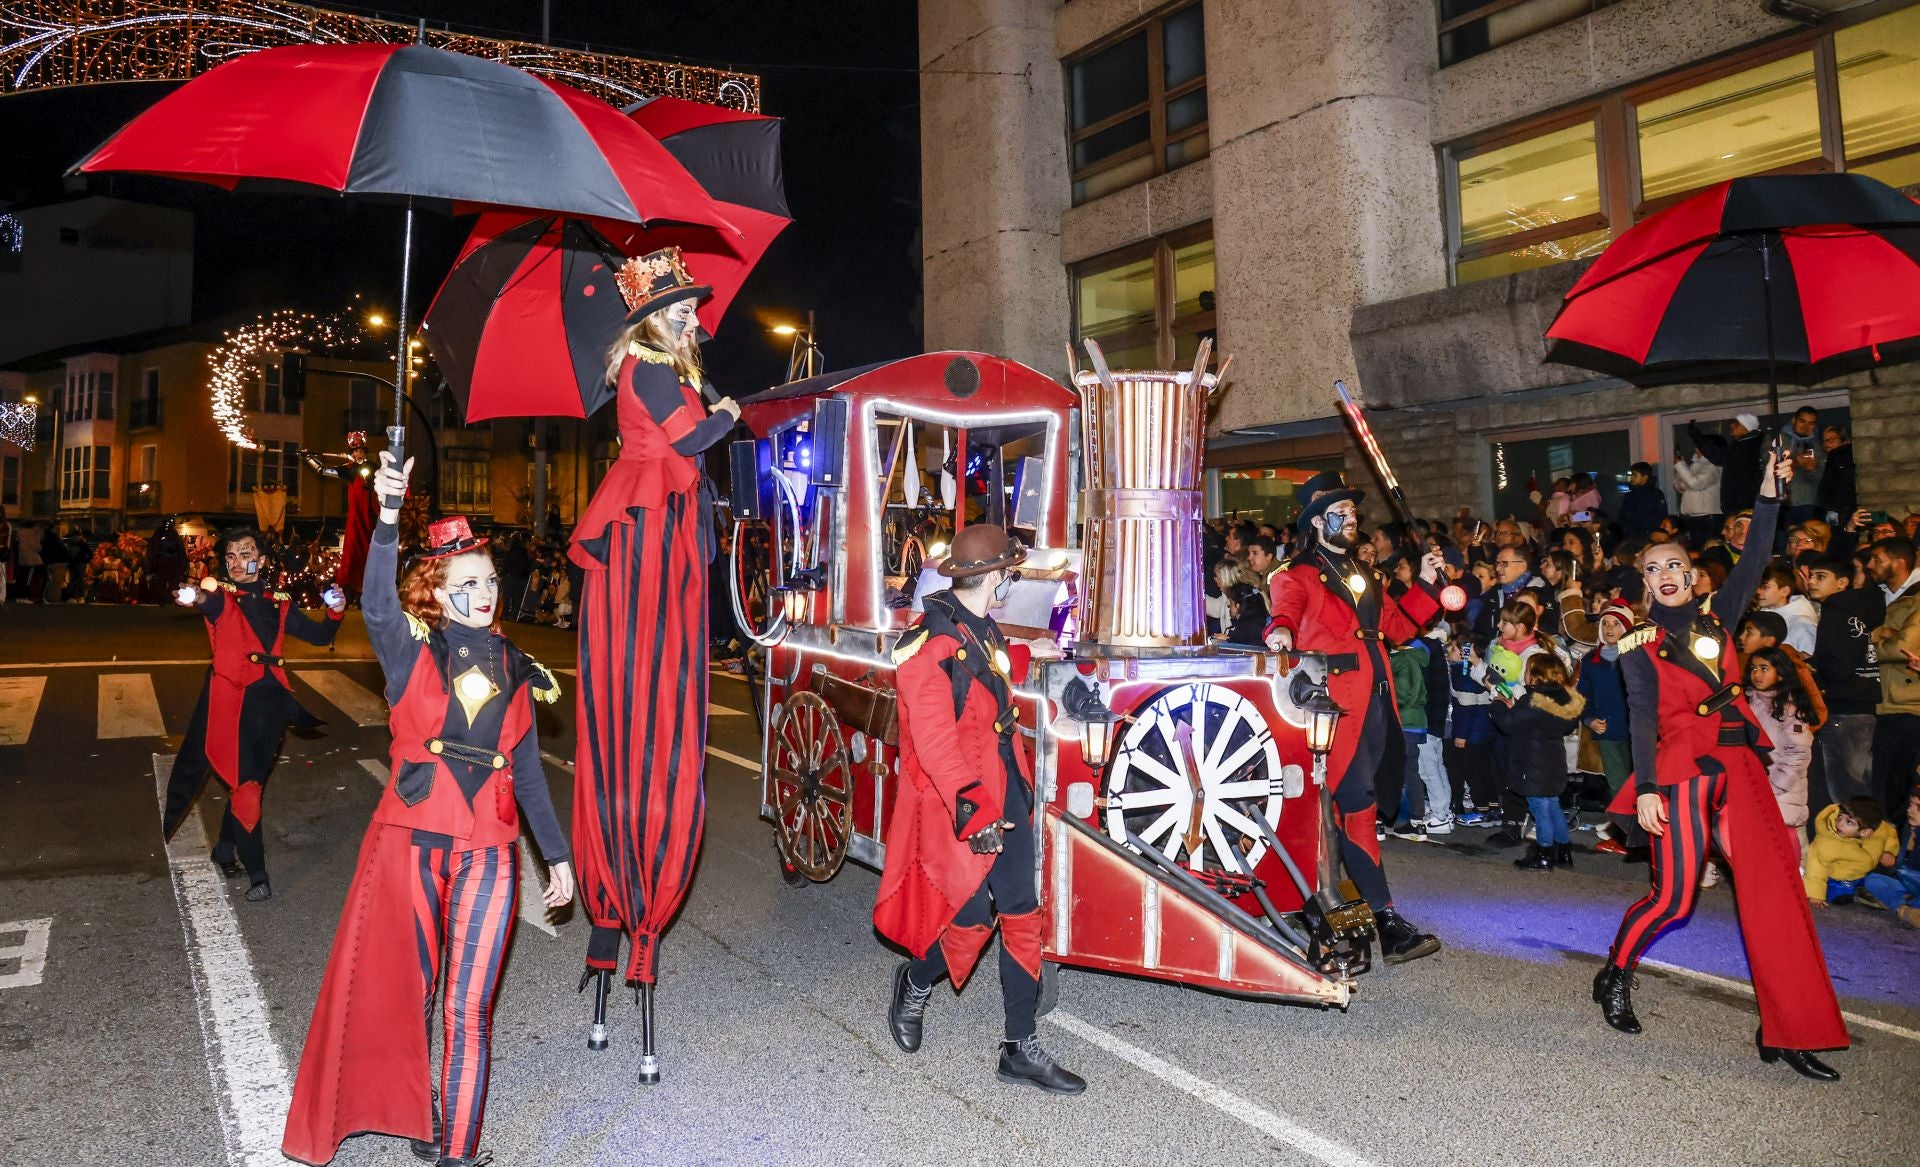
x: 144, y: 413
x: 143, y: 496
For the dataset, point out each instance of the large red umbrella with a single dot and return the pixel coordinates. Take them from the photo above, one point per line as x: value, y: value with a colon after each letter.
x: 1805, y: 269
x: 522, y: 324
x: 407, y: 121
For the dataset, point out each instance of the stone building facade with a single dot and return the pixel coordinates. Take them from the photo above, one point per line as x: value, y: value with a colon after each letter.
x: 1393, y: 192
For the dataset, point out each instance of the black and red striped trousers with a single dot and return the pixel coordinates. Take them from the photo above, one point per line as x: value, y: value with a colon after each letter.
x: 463, y: 903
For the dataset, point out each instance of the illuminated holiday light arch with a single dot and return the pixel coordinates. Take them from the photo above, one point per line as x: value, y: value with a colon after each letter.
x: 236, y: 361
x: 56, y: 44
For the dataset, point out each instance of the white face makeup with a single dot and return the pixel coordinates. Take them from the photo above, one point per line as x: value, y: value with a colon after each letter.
x: 683, y: 317
x: 1669, y: 575
x: 471, y: 595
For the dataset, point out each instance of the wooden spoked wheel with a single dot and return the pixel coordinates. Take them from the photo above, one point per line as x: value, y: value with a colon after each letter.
x: 1193, y: 770
x: 812, y: 787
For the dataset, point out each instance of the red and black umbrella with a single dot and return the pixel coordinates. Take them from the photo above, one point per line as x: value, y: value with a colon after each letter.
x: 1804, y: 269
x: 522, y: 324
x: 407, y: 121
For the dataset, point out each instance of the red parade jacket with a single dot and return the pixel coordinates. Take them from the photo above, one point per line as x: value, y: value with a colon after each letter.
x: 1320, y: 612
x: 930, y: 872
x: 239, y: 660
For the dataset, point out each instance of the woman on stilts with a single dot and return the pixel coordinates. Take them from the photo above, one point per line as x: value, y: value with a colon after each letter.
x: 438, y: 868
x: 644, y: 543
x: 1700, y: 782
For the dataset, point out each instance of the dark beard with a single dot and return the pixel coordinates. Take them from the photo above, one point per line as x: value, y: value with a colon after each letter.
x: 1343, y: 541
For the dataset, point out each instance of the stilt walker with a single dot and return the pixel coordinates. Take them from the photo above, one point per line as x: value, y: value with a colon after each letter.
x: 355, y: 470
x: 437, y: 882
x: 246, y: 704
x: 1698, y: 784
x: 644, y: 543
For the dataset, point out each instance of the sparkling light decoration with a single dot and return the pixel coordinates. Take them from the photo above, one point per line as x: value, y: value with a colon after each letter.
x: 17, y: 419
x: 236, y: 361
x: 50, y: 44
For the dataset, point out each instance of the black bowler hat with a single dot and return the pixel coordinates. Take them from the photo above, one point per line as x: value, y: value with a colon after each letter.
x: 1320, y: 492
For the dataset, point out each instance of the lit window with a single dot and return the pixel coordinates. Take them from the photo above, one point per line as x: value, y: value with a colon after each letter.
x: 1879, y: 66
x: 1138, y: 107
x: 1751, y: 122
x: 1149, y: 304
x: 1528, y: 203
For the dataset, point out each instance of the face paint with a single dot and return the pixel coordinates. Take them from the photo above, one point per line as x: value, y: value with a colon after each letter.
x: 252, y: 566
x: 1336, y: 522
x: 462, y: 603
x: 1005, y: 589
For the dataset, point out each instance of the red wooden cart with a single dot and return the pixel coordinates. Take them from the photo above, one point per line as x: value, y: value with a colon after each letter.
x: 1182, y: 841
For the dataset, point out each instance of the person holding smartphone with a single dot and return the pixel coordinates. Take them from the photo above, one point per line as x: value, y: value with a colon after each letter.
x: 246, y: 704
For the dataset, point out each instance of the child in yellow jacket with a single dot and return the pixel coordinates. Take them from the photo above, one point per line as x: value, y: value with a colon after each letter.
x: 1850, y: 839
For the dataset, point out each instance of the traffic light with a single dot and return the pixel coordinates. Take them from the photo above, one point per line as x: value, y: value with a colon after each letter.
x: 293, y: 376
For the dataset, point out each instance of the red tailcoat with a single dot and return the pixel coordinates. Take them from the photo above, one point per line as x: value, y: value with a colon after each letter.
x: 352, y: 572
x: 930, y: 872
x: 365, y: 1065
x: 1319, y: 610
x: 1798, y: 1009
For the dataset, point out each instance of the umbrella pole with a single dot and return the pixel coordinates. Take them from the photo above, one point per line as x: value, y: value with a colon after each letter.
x: 401, y: 354
x: 649, y: 1065
x: 1766, y: 307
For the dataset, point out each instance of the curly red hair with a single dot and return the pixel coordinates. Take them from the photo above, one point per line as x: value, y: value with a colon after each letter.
x: 418, y: 584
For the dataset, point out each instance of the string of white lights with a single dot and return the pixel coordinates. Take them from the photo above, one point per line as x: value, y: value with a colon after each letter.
x: 237, y: 361
x: 17, y: 422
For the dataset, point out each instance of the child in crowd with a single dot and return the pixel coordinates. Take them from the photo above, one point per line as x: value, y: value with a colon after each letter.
x: 1777, y: 595
x: 1895, y: 884
x: 1605, y: 716
x: 1536, y: 727
x: 1849, y: 840
x: 1519, y: 642
x: 1789, y: 715
x: 1470, y: 749
x: 1409, y: 664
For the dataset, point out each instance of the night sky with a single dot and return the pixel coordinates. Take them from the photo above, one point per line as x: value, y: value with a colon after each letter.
x: 842, y: 75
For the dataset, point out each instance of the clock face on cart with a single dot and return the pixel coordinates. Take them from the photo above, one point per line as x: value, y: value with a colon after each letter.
x: 1192, y: 771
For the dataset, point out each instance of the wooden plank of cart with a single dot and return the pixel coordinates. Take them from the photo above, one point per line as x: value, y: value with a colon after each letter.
x: 1184, y: 838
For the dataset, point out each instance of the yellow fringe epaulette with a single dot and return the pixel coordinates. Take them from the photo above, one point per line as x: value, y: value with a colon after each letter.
x: 282, y: 597
x: 550, y: 692
x: 649, y: 354
x: 1639, y: 636
x: 909, y: 643
x: 418, y: 627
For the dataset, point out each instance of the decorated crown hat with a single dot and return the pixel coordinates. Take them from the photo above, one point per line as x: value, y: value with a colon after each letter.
x: 655, y: 280
x: 449, y: 537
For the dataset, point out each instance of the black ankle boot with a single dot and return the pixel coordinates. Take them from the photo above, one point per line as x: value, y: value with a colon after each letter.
x: 231, y: 868
x: 1563, y: 855
x: 260, y: 891
x: 428, y: 1151
x: 1400, y: 941
x: 1613, y: 990
x: 1536, y: 859
x: 908, y: 1011
x: 1025, y: 1061
x: 1802, y: 1062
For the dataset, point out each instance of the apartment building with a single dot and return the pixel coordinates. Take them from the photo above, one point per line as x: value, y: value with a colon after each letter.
x: 1393, y: 192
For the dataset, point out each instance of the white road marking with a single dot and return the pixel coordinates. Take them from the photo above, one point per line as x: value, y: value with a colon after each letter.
x: 1301, y: 1139
x: 377, y: 769
x: 129, y: 707
x: 19, y: 704
x: 1746, y: 988
x: 31, y: 952
x: 736, y: 759
x: 147, y: 664
x: 350, y: 697
x: 249, y: 1076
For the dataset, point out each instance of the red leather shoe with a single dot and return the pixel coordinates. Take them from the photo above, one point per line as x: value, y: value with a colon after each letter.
x: 1610, y: 847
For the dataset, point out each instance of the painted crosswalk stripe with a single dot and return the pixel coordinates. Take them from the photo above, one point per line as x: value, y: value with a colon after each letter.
x: 19, y: 704
x: 249, y: 1076
x: 736, y: 759
x: 350, y: 697
x: 377, y: 769
x: 129, y: 707
x: 28, y: 955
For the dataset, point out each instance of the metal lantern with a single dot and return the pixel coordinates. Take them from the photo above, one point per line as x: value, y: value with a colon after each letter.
x: 1081, y: 701
x: 1322, y: 717
x: 1096, y: 741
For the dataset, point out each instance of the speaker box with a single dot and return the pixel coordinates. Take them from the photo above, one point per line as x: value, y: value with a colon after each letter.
x: 750, y: 474
x: 828, y: 433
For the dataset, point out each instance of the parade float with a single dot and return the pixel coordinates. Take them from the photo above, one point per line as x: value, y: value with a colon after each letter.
x: 1179, y: 791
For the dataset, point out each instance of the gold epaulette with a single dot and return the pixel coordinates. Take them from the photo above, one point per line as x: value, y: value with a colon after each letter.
x: 1639, y: 636
x: 910, y: 642
x: 418, y: 627
x: 282, y: 597
x: 551, y: 693
x: 649, y: 354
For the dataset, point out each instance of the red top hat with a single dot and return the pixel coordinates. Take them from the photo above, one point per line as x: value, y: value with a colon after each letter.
x: 356, y: 439
x: 655, y: 280
x: 449, y: 537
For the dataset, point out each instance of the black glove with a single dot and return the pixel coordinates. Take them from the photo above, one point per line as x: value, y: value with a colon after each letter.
x: 987, y: 841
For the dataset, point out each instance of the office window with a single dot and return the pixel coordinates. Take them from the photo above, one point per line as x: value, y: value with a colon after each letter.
x: 1471, y: 27
x: 1148, y: 305
x: 466, y: 480
x: 1528, y: 203
x: 1749, y: 122
x: 1879, y: 69
x: 1138, y: 106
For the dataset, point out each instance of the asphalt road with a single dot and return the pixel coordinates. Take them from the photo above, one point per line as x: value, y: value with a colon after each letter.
x: 168, y: 1014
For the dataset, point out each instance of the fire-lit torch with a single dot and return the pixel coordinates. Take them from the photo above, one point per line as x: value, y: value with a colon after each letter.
x: 1371, y: 448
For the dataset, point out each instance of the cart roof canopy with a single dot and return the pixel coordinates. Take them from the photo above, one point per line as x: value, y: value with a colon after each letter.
x: 960, y: 384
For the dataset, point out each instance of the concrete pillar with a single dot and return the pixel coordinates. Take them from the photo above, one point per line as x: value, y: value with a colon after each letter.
x: 994, y: 179
x: 1325, y: 192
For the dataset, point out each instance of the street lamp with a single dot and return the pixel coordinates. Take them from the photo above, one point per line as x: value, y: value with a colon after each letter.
x: 376, y: 321
x: 804, y: 358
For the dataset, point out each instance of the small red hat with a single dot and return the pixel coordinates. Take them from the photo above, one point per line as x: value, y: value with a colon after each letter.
x: 449, y: 537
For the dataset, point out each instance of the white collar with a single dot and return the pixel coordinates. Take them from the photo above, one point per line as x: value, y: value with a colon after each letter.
x: 1893, y: 594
